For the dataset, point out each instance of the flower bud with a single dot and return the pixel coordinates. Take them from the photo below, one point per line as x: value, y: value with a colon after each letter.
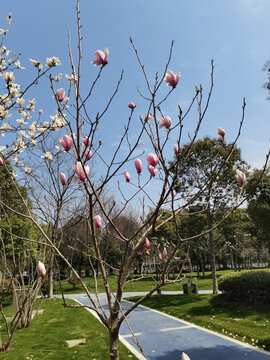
x: 241, y: 177
x: 165, y: 254
x: 221, y: 131
x: 127, y: 176
x: 63, y: 179
x: 97, y: 221
x: 138, y: 165
x: 41, y: 269
x: 131, y: 105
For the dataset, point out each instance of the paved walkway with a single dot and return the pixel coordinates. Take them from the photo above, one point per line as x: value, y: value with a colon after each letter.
x: 165, y: 337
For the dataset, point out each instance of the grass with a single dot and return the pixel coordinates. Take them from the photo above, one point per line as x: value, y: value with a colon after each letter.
x: 145, y: 284
x: 47, y: 335
x: 239, y: 321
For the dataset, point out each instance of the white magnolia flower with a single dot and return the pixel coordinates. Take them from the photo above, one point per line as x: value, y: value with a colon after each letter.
x: 3, y: 112
x: 2, y: 149
x: 31, y: 106
x: 5, y: 51
x: 27, y: 170
x: 5, y: 126
x: 40, y: 112
x: 20, y: 101
x: 2, y: 61
x: 31, y: 133
x: 8, y: 76
x: 53, y: 61
x: 57, y: 122
x: 37, y: 64
x: 34, y: 142
x: 33, y: 126
x: 57, y: 78
x: 13, y: 91
x: 71, y: 78
x: 47, y: 155
x: 18, y: 64
x: 22, y: 132
x: 4, y: 99
x: 21, y: 121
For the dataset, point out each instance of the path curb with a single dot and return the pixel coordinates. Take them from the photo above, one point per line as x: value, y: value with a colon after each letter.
x: 123, y: 341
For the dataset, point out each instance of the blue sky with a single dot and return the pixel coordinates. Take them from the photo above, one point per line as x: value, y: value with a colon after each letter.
x: 233, y: 32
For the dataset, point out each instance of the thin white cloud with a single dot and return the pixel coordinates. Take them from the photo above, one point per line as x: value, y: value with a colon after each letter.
x: 253, y: 7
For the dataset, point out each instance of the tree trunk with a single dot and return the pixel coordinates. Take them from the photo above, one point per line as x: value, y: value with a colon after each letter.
x: 213, y: 264
x: 114, y: 344
x: 202, y: 265
x: 50, y: 295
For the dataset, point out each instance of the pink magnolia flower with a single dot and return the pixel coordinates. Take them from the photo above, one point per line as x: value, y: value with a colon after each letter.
x: 81, y: 171
x: 127, y: 176
x: 66, y: 142
x: 159, y: 257
x: 102, y: 57
x: 86, y: 141
x: 165, y: 254
x: 152, y: 159
x: 88, y: 154
x: 166, y: 122
x: 97, y: 221
x: 171, y: 79
x: 60, y: 95
x: 41, y: 269
x: 185, y: 357
x: 241, y: 177
x: 63, y: 179
x: 138, y: 165
x: 147, y: 243
x: 1, y: 161
x: 152, y: 170
x: 131, y: 105
x: 220, y: 131
x: 176, y: 149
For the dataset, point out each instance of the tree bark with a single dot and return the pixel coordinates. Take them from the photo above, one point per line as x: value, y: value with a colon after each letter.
x: 213, y: 264
x: 50, y: 295
x: 114, y: 343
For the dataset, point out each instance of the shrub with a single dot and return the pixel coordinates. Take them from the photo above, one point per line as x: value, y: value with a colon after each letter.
x: 73, y: 280
x: 6, y: 295
x: 251, y: 287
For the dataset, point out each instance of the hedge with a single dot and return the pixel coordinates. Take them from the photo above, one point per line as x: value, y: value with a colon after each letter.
x: 252, y: 287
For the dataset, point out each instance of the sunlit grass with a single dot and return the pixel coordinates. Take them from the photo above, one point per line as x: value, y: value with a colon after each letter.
x: 47, y: 335
x: 144, y: 284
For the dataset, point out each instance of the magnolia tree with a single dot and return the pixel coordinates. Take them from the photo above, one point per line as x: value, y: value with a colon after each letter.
x: 142, y: 169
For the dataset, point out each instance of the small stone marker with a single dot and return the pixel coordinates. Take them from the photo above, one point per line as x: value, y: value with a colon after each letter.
x: 75, y: 342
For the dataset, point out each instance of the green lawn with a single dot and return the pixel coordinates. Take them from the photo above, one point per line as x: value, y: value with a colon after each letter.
x: 45, y: 339
x: 145, y: 284
x: 241, y: 322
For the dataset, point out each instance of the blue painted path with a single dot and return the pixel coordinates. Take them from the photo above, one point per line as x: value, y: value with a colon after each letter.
x: 165, y: 337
